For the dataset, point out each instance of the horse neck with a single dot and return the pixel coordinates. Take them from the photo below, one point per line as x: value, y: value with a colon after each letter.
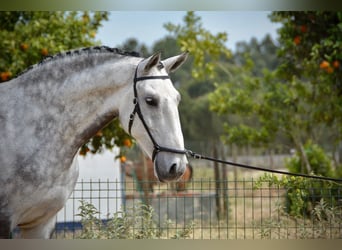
x: 74, y: 96
x: 95, y: 96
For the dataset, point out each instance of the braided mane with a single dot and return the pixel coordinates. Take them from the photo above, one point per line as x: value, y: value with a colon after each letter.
x: 81, y: 51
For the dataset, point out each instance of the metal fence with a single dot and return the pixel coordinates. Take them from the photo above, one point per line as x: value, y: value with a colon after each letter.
x: 238, y: 209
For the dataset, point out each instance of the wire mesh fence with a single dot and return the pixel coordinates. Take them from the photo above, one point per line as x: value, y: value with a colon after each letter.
x: 207, y: 209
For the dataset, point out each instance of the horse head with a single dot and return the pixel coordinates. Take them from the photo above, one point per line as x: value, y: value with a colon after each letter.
x: 157, y: 128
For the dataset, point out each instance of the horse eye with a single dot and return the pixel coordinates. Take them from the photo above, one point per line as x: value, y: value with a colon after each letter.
x: 151, y: 101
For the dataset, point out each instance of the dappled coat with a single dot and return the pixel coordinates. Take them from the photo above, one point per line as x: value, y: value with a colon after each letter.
x: 137, y: 172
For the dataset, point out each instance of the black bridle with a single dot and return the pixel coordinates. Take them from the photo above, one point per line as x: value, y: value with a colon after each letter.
x: 158, y: 148
x: 137, y: 110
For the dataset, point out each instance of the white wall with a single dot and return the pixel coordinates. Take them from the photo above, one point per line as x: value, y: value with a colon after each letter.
x: 103, y: 167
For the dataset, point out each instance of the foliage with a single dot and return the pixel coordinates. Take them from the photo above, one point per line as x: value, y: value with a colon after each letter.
x: 311, y: 48
x: 302, y: 193
x: 27, y: 37
x: 309, y: 39
x: 263, y: 53
x: 108, y: 137
x: 320, y: 163
x: 239, y: 94
x: 205, y: 48
x: 300, y: 100
x: 132, y: 44
x: 135, y: 223
x: 91, y: 223
x: 324, y: 223
x: 206, y: 53
x: 326, y: 217
x: 243, y: 98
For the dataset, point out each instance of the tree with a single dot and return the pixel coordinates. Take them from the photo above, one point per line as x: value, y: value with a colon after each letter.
x: 28, y: 37
x: 301, y: 99
x: 207, y: 51
x: 205, y: 48
x: 312, y: 52
x: 263, y: 54
x: 132, y: 44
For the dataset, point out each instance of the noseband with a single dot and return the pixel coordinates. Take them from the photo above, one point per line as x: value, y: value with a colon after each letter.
x: 137, y: 110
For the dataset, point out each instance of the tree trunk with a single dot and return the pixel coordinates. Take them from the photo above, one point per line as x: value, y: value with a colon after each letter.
x: 303, y: 156
x: 271, y: 154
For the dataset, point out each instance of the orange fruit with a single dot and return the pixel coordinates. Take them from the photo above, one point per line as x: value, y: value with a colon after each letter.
x: 44, y: 51
x: 324, y: 64
x: 329, y: 70
x: 127, y: 143
x: 83, y: 152
x: 24, y: 46
x: 5, y: 75
x: 99, y: 133
x: 297, y: 40
x: 336, y: 64
x: 123, y: 159
x: 303, y: 29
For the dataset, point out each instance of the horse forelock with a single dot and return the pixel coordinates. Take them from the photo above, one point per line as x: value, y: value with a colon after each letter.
x: 81, y: 51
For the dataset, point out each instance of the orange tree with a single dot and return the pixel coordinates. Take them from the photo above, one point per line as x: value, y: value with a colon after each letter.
x: 27, y: 37
x: 301, y: 99
x: 311, y: 48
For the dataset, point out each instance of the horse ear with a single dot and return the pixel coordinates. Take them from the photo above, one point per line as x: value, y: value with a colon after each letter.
x: 151, y: 62
x: 173, y: 63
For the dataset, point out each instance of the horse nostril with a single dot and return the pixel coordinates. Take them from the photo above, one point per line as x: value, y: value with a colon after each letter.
x: 173, y: 172
x: 173, y: 169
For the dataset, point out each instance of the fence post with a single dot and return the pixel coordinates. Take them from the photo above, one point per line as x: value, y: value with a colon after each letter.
x: 224, y: 183
x: 217, y: 184
x: 234, y: 157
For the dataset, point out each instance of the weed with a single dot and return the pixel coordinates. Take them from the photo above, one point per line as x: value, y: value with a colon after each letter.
x: 134, y: 223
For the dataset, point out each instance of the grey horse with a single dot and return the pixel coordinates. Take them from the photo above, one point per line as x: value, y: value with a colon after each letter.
x: 54, y: 107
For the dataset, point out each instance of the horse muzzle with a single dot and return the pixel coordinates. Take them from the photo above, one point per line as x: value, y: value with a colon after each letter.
x: 166, y: 171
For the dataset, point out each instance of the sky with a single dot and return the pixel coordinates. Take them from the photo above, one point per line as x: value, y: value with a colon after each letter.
x: 147, y: 26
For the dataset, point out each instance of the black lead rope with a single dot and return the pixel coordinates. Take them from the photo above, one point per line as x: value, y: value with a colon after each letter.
x: 198, y: 156
x: 189, y: 153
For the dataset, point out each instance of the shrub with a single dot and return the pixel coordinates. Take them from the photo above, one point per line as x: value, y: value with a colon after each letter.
x: 134, y: 223
x: 303, y: 193
x: 319, y: 161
